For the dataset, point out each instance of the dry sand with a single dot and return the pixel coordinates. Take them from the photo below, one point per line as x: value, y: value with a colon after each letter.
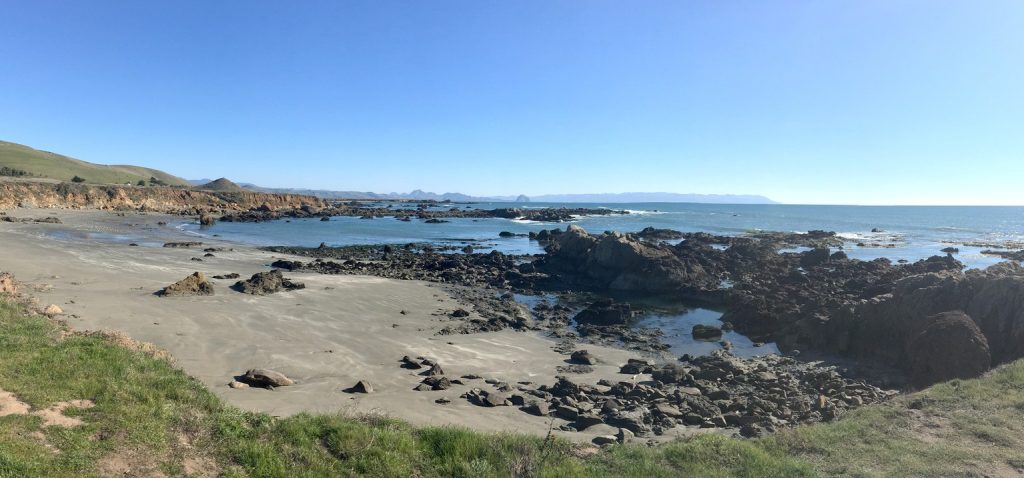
x: 337, y: 331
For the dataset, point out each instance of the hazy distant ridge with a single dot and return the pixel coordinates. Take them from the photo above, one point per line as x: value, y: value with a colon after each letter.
x: 599, y: 197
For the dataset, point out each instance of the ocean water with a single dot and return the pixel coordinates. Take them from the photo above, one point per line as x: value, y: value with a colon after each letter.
x: 909, y: 233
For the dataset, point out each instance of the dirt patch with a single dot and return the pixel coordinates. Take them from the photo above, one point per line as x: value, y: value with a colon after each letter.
x: 201, y: 467
x: 130, y: 463
x: 930, y: 428
x: 52, y: 416
x: 11, y: 405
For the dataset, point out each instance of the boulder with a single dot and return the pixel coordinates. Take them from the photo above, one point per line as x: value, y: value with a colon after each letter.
x: 264, y: 283
x: 538, y: 408
x: 260, y: 377
x: 583, y: 357
x: 195, y: 284
x: 624, y: 435
x: 950, y: 345
x: 362, y: 386
x: 636, y: 366
x: 438, y: 383
x: 706, y: 332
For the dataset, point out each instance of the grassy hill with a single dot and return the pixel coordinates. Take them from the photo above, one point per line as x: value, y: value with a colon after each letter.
x: 221, y: 185
x: 43, y: 164
x: 151, y: 419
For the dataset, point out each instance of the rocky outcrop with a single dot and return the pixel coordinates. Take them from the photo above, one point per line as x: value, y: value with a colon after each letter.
x: 264, y: 283
x: 949, y: 345
x: 614, y: 261
x: 902, y: 328
x: 195, y: 284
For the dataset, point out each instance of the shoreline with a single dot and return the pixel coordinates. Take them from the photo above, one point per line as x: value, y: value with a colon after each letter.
x: 355, y: 320
x: 110, y: 286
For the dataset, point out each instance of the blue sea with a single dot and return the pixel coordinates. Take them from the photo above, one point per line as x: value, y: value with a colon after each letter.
x: 907, y: 232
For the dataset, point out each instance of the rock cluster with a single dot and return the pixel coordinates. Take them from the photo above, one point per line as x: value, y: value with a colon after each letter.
x: 716, y: 391
x: 264, y: 283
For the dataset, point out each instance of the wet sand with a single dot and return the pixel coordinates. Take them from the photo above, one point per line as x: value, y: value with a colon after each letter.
x: 337, y: 331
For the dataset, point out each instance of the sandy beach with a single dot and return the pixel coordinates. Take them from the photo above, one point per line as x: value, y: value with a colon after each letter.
x: 335, y: 332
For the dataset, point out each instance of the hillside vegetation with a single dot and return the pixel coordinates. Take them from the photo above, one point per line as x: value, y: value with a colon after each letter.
x: 147, y: 418
x: 43, y: 164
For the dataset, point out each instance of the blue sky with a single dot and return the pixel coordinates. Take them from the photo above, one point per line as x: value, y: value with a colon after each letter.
x: 862, y: 102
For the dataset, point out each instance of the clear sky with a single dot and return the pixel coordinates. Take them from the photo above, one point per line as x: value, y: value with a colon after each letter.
x: 864, y: 102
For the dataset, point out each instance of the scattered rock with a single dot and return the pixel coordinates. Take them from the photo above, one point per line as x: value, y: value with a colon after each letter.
x: 183, y: 244
x: 362, y: 386
x: 583, y: 357
x: 195, y: 284
x: 260, y: 377
x: 264, y: 283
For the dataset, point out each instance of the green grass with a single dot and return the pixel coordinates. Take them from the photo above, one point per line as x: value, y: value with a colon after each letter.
x: 152, y: 415
x: 50, y: 165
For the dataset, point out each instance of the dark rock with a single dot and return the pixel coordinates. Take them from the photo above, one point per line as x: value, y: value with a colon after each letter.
x: 259, y: 377
x: 362, y: 386
x: 409, y: 363
x: 706, y: 332
x: 183, y: 244
x: 264, y: 283
x: 605, y: 312
x: 195, y: 284
x: 583, y: 357
x: 950, y: 345
x: 537, y: 408
x: 437, y: 383
x: 815, y: 257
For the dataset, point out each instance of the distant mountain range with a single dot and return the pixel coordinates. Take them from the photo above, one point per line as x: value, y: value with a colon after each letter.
x: 419, y: 195
x: 416, y: 195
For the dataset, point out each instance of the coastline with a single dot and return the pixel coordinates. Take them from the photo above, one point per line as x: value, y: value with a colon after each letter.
x: 337, y: 331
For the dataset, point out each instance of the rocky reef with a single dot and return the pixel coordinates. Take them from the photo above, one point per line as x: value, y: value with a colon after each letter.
x: 928, y: 319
